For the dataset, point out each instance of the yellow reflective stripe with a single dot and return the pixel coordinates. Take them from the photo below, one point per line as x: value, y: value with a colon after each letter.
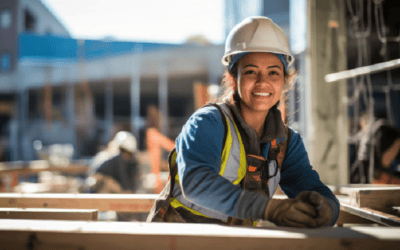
x: 177, y: 179
x: 243, y: 161
x: 173, y: 161
x: 227, y: 149
x: 173, y: 157
x: 175, y: 203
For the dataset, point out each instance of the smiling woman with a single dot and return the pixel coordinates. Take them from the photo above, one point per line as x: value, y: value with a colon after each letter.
x: 231, y: 155
x: 259, y: 85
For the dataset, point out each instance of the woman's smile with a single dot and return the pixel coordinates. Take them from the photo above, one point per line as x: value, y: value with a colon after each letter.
x: 261, y: 94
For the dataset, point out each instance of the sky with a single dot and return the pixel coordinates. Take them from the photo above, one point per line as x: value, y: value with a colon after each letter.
x: 162, y: 21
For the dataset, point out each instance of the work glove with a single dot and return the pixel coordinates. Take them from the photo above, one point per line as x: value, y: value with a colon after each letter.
x: 320, y: 204
x: 291, y: 213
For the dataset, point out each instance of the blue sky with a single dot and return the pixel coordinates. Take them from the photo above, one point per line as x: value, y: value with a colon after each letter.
x: 166, y: 21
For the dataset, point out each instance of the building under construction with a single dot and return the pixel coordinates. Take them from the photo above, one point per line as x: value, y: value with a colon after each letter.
x: 57, y: 90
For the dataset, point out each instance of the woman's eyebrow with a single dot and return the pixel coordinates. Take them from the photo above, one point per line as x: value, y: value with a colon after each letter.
x: 274, y: 66
x: 250, y: 65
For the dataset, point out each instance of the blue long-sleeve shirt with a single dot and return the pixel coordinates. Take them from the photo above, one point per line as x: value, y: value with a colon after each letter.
x: 199, y: 148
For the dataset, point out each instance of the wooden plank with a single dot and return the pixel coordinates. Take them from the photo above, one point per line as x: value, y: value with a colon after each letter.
x: 23, y: 234
x: 349, y: 218
x: 139, y: 203
x: 33, y: 167
x: 373, y: 215
x: 48, y: 214
x: 381, y: 199
x: 347, y: 189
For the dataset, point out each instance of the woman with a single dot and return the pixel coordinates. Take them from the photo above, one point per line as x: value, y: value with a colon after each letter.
x: 230, y: 157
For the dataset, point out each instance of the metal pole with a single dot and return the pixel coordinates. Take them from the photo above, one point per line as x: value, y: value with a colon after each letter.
x: 363, y: 70
x: 163, y: 97
x: 109, y: 109
x: 23, y: 139
x: 135, y: 93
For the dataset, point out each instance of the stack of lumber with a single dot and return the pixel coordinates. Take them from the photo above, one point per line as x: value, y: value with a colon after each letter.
x: 373, y: 208
x: 369, y: 204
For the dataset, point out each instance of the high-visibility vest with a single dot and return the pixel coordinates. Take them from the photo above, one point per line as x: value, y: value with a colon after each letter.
x: 234, y: 167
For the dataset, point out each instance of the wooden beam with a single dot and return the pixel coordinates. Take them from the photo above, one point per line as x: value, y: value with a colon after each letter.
x: 347, y: 189
x: 33, y: 167
x: 377, y: 198
x: 48, y: 214
x: 34, y: 234
x: 349, y: 218
x: 7, y: 108
x: 139, y: 203
x: 373, y: 215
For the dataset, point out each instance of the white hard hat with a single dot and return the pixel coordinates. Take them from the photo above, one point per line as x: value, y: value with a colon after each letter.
x: 256, y: 34
x: 126, y: 141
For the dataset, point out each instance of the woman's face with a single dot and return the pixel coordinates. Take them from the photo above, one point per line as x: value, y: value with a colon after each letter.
x: 260, y: 81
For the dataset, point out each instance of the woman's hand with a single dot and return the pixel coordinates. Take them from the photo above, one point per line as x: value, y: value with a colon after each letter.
x: 291, y: 213
x: 308, y: 209
x: 320, y: 204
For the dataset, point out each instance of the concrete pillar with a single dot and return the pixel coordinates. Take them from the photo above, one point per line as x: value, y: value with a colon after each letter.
x: 215, y: 71
x: 71, y: 116
x: 327, y: 123
x: 163, y: 97
x: 23, y: 137
x: 135, y: 93
x: 109, y: 110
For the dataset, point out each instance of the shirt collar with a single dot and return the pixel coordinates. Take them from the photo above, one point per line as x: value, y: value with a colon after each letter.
x: 274, y: 128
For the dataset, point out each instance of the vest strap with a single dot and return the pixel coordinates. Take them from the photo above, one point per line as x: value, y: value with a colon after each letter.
x: 273, y: 151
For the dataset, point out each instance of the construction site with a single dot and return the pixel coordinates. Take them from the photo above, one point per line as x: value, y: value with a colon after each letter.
x: 69, y: 107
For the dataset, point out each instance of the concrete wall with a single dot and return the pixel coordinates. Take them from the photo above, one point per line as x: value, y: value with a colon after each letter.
x: 45, y: 21
x: 327, y: 124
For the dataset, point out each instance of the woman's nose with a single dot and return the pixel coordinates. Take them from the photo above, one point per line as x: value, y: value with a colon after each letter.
x: 263, y: 79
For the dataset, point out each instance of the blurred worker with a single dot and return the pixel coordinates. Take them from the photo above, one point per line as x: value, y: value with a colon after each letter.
x: 103, y: 155
x: 385, y: 142
x: 387, y: 154
x: 231, y: 156
x: 359, y: 172
x: 120, y: 173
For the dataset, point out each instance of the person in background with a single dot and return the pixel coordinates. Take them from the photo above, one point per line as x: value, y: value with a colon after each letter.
x: 359, y: 171
x: 379, y: 145
x: 387, y: 155
x: 231, y: 155
x: 119, y: 174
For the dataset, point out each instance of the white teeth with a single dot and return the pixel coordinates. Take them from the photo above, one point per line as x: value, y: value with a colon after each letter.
x: 262, y: 94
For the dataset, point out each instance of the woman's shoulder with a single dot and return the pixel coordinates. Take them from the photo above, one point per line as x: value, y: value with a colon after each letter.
x: 293, y: 133
x: 208, y: 113
x: 205, y: 124
x: 294, y: 139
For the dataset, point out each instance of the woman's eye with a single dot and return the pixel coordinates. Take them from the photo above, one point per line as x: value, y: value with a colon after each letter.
x: 274, y: 73
x: 249, y: 72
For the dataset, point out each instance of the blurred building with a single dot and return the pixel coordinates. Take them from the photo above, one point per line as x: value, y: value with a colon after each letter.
x: 56, y: 89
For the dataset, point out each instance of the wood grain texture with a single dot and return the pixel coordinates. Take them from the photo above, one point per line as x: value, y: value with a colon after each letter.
x: 18, y: 234
x: 48, y: 214
x: 139, y: 203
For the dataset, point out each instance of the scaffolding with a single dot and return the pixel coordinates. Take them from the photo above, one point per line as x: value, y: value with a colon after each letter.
x: 361, y: 75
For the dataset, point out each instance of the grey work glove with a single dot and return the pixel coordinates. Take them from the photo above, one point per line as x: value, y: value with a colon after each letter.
x: 319, y: 202
x: 291, y: 213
